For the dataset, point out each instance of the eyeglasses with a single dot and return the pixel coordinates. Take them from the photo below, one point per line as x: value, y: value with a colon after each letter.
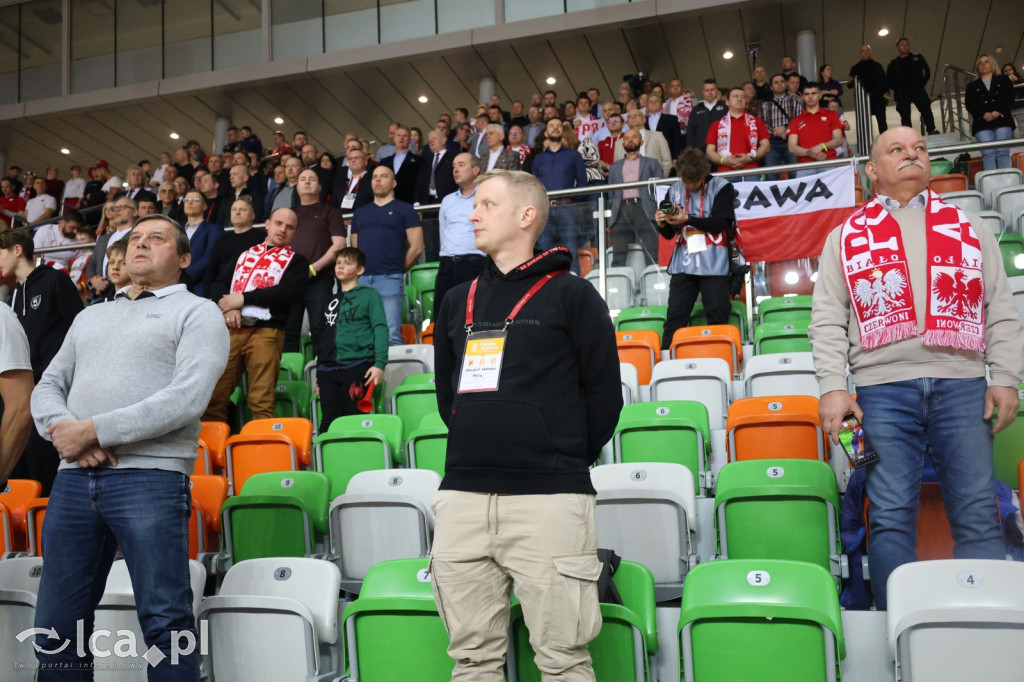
x: 192, y: 199
x: 119, y: 207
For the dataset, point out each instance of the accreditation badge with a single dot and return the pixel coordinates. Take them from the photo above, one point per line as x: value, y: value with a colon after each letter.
x: 348, y: 201
x: 481, y: 362
x: 696, y: 242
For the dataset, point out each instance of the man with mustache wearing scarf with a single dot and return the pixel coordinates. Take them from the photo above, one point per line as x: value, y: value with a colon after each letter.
x: 914, y: 298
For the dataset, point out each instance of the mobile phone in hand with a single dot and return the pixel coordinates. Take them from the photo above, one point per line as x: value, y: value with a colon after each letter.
x: 855, y: 442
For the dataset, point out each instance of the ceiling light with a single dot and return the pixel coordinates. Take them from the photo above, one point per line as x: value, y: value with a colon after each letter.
x: 175, y: 136
x: 551, y: 80
x: 423, y: 99
x: 883, y: 32
x: 65, y: 150
x: 727, y: 55
x: 278, y: 120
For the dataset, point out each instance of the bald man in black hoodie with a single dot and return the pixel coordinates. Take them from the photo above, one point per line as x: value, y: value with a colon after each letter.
x: 530, y: 395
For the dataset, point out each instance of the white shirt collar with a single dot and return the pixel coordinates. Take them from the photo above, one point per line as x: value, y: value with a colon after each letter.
x: 158, y: 293
x: 709, y: 105
x: 890, y: 204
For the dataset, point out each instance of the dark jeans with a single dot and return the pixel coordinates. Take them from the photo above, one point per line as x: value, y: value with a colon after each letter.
x: 314, y: 299
x: 778, y: 155
x: 91, y: 513
x: 633, y: 226
x: 563, y: 227
x: 682, y: 294
x: 919, y: 98
x: 340, y: 392
x: 452, y: 271
x: 39, y: 462
x: 878, y: 111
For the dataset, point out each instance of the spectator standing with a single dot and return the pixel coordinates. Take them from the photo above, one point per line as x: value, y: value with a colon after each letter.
x: 703, y: 115
x: 74, y: 189
x: 406, y: 165
x: 233, y: 243
x: 831, y: 89
x: 285, y: 195
x: 815, y: 134
x: 42, y: 206
x: 499, y: 156
x: 989, y: 100
x: 460, y: 260
x: 606, y: 147
x: 388, y: 149
x: 633, y: 209
x: 10, y: 202
x: 435, y: 182
x: 15, y: 392
x: 678, y: 104
x: 738, y: 140
x: 60, y: 234
x: 54, y: 185
x: 535, y: 127
x: 872, y: 78
x: 356, y: 189
x: 124, y: 212
x: 559, y: 167
x: 202, y: 235
x: 907, y: 75
x: 652, y: 144
x: 666, y: 124
x: 777, y: 113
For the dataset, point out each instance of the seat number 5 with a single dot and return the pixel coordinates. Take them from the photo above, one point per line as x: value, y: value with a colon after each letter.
x: 758, y: 578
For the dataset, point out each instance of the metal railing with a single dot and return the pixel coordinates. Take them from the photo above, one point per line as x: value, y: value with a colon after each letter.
x: 862, y: 115
x: 951, y: 101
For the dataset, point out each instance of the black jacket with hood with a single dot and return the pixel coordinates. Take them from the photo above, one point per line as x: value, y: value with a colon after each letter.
x: 46, y: 304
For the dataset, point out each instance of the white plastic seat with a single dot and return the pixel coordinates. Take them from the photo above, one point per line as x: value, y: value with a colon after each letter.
x: 707, y: 380
x: 987, y: 182
x: 630, y: 380
x: 405, y: 361
x: 1008, y: 202
x: 19, y: 586
x: 117, y: 613
x: 654, y: 281
x: 621, y: 285
x: 957, y: 619
x: 383, y: 515
x: 993, y: 221
x: 780, y: 374
x: 1017, y: 286
x: 274, y: 619
x: 969, y: 200
x: 647, y: 511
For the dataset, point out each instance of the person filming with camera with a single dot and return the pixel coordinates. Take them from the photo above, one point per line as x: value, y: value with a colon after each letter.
x: 698, y: 215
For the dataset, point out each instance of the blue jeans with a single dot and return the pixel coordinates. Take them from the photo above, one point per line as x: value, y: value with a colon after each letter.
x: 778, y: 155
x: 992, y: 159
x: 392, y: 289
x: 563, y: 226
x: 943, y: 418
x: 91, y: 513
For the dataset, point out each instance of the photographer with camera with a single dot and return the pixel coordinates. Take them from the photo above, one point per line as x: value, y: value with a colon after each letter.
x: 698, y: 215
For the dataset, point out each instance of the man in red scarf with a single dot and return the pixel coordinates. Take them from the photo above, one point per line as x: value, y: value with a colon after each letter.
x: 913, y: 297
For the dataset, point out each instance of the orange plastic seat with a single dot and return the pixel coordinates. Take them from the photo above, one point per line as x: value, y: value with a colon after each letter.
x: 409, y: 334
x: 267, y: 445
x: 640, y: 348
x: 775, y: 427
x: 713, y: 341
x: 35, y: 512
x: 1017, y: 160
x: 934, y: 534
x: 974, y: 166
x: 214, y: 435
x: 586, y: 260
x: 1020, y: 475
x: 208, y: 495
x: 5, y: 529
x: 427, y: 336
x: 202, y: 461
x: 16, y: 497
x: 951, y: 182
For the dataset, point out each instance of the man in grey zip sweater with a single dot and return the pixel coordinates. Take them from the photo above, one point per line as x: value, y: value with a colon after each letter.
x: 126, y: 433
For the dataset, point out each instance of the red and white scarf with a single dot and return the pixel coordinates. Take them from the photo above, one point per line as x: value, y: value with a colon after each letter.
x: 260, y: 267
x: 878, y: 278
x: 724, y: 147
x: 680, y: 107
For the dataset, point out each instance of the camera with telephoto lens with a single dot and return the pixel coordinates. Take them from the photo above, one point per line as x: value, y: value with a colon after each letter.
x: 668, y: 208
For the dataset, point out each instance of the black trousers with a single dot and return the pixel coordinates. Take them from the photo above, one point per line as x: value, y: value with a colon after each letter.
x: 314, y: 299
x: 431, y: 237
x: 452, y: 271
x: 632, y: 226
x: 878, y: 111
x: 340, y: 392
x: 39, y: 462
x: 919, y: 98
x: 682, y: 294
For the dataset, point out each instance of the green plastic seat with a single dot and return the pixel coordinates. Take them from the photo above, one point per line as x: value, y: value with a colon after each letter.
x: 306, y: 348
x: 277, y: 514
x: 737, y: 316
x: 428, y: 444
x: 760, y: 619
x: 412, y: 403
x: 422, y: 276
x: 393, y: 631
x: 628, y: 632
x: 673, y: 431
x: 292, y: 366
x: 784, y: 308
x: 357, y: 443
x: 779, y: 509
x: 1011, y: 246
x: 292, y: 399
x: 650, y: 317
x: 408, y: 303
x: 1008, y: 447
x: 418, y: 379
x: 781, y: 337
x: 426, y: 302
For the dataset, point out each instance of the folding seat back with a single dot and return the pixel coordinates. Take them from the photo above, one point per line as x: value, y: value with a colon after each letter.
x: 627, y: 639
x: 987, y: 182
x: 278, y: 514
x: 357, y: 443
x: 16, y: 496
x: 950, y: 182
x: 292, y: 399
x: 779, y: 509
x: 649, y: 495
x: 1017, y: 285
x: 208, y: 496
x: 116, y: 613
x: 405, y: 360
x: 780, y: 374
x: 957, y: 619
x: 383, y: 515
x: 629, y: 378
x: 396, y: 604
x: 5, y: 528
x: 642, y: 317
x: 279, y: 444
x: 993, y: 221
x: 673, y: 431
x: 292, y: 366
x: 785, y: 614
x: 1008, y: 202
x: 274, y: 619
x: 35, y: 513
x: 971, y: 200
x: 412, y: 403
x: 19, y: 586
x: 781, y: 337
x: 620, y: 283
x: 422, y: 276
x: 654, y: 282
x: 1008, y: 447
x: 214, y: 436
x: 1011, y: 246
x: 784, y: 309
x: 426, y: 304
x: 427, y: 335
x: 428, y: 445
x: 202, y: 465
x: 737, y: 316
x: 408, y: 333
x: 640, y: 348
x: 775, y: 427
x: 706, y: 380
x: 713, y: 341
